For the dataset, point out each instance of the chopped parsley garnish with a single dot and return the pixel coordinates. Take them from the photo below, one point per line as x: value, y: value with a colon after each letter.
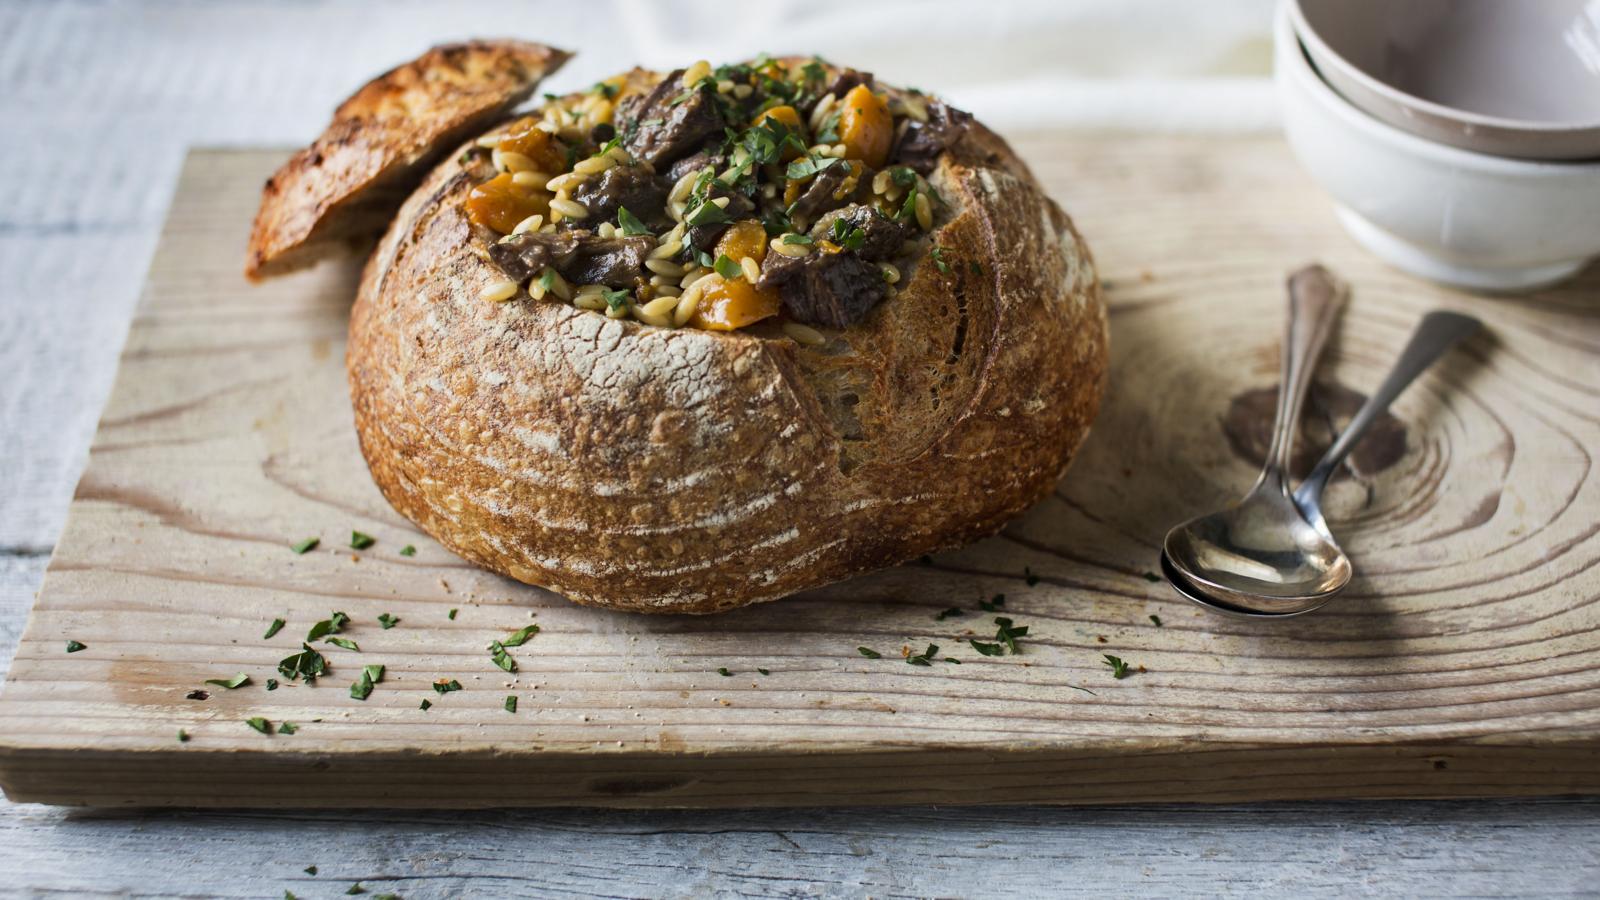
x: 75, y: 646
x: 763, y: 671
x: 793, y: 238
x: 497, y: 652
x: 707, y: 213
x: 288, y: 728
x: 1119, y: 669
x: 520, y: 636
x: 443, y: 687
x: 1151, y: 577
x: 360, y: 541
x: 307, y: 664
x: 547, y: 280
x: 333, y: 624
x: 869, y: 653
x: 630, y: 223
x: 426, y: 703
x: 987, y: 649
x: 387, y: 621
x: 846, y: 235
x: 829, y: 133
x: 1008, y: 633
x: 767, y: 141
x: 808, y: 166
x: 605, y: 90
x: 727, y: 268
x: 346, y: 643
x: 994, y: 605
x: 272, y: 684
x: 274, y: 628
x: 310, y: 870
x: 259, y: 724
x: 230, y: 683
x: 362, y: 688
x: 903, y: 176
x: 938, y: 259
x: 617, y: 299
x: 1155, y: 619
x: 925, y: 658
x: 410, y: 549
x: 452, y: 615
x: 724, y: 672
x: 355, y: 889
x: 306, y: 546
x: 183, y: 736
x: 511, y: 703
x: 951, y: 613
x: 908, y: 209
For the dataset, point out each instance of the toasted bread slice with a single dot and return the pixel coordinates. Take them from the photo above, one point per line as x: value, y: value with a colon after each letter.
x: 351, y: 180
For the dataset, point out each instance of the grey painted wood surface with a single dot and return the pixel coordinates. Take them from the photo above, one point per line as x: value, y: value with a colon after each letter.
x: 99, y: 101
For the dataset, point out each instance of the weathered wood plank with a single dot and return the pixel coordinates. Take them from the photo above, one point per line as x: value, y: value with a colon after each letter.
x: 1464, y: 660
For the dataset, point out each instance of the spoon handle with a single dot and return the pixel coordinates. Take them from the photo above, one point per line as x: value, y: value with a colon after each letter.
x: 1315, y: 297
x: 1437, y: 332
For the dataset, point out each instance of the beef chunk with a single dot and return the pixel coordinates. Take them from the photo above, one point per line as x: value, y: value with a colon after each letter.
x: 521, y: 256
x: 821, y: 192
x: 636, y: 187
x: 659, y: 131
x: 845, y: 80
x: 919, y: 147
x: 614, y: 262
x: 694, y: 162
x: 829, y: 289
x: 881, y: 236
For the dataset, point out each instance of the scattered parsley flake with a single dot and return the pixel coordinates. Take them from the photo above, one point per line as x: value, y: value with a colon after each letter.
x: 994, y: 605
x: 259, y: 724
x: 987, y: 649
x: 410, y: 549
x: 497, y: 652
x: 274, y: 628
x: 511, y: 703
x: 346, y: 643
x: 617, y: 299
x: 727, y: 267
x: 426, y: 703
x: 387, y: 621
x: 288, y: 728
x: 443, y: 687
x: 1008, y: 633
x: 333, y: 624
x: 869, y: 653
x: 306, y: 546
x: 307, y: 664
x: 547, y: 280
x: 356, y: 889
x: 310, y: 870
x: 794, y: 238
x: 808, y: 166
x: 846, y: 235
x: 272, y: 684
x: 951, y: 613
x: 605, y: 90
x: 763, y: 671
x: 452, y: 615
x: 1155, y: 619
x: 360, y: 541
x: 1119, y: 669
x: 724, y: 672
x: 925, y: 658
x: 1152, y: 577
x: 183, y: 736
x: 75, y: 646
x: 631, y: 226
x: 362, y: 688
x: 937, y: 255
x: 520, y: 636
x: 707, y: 213
x: 230, y: 683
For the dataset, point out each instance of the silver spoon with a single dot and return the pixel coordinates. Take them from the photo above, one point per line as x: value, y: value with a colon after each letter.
x: 1262, y: 546
x: 1435, y: 334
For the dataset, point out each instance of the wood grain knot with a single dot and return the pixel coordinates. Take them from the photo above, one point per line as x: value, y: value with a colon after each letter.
x: 1248, y: 427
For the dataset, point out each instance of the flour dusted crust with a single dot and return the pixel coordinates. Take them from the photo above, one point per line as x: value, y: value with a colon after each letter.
x: 347, y: 184
x: 689, y: 471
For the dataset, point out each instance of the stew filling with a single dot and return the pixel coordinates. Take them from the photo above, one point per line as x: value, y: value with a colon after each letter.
x: 717, y: 198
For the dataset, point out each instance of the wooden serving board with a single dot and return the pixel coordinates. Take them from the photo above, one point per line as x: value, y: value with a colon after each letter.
x: 1465, y: 659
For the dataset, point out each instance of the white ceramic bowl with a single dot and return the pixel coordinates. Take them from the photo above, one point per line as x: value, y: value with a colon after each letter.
x: 1510, y: 77
x: 1465, y: 219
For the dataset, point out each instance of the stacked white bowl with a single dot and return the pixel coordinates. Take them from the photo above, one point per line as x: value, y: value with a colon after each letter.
x: 1460, y: 139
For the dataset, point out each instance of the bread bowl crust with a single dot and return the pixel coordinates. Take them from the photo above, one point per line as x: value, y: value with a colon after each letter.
x: 380, y: 143
x: 687, y: 471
